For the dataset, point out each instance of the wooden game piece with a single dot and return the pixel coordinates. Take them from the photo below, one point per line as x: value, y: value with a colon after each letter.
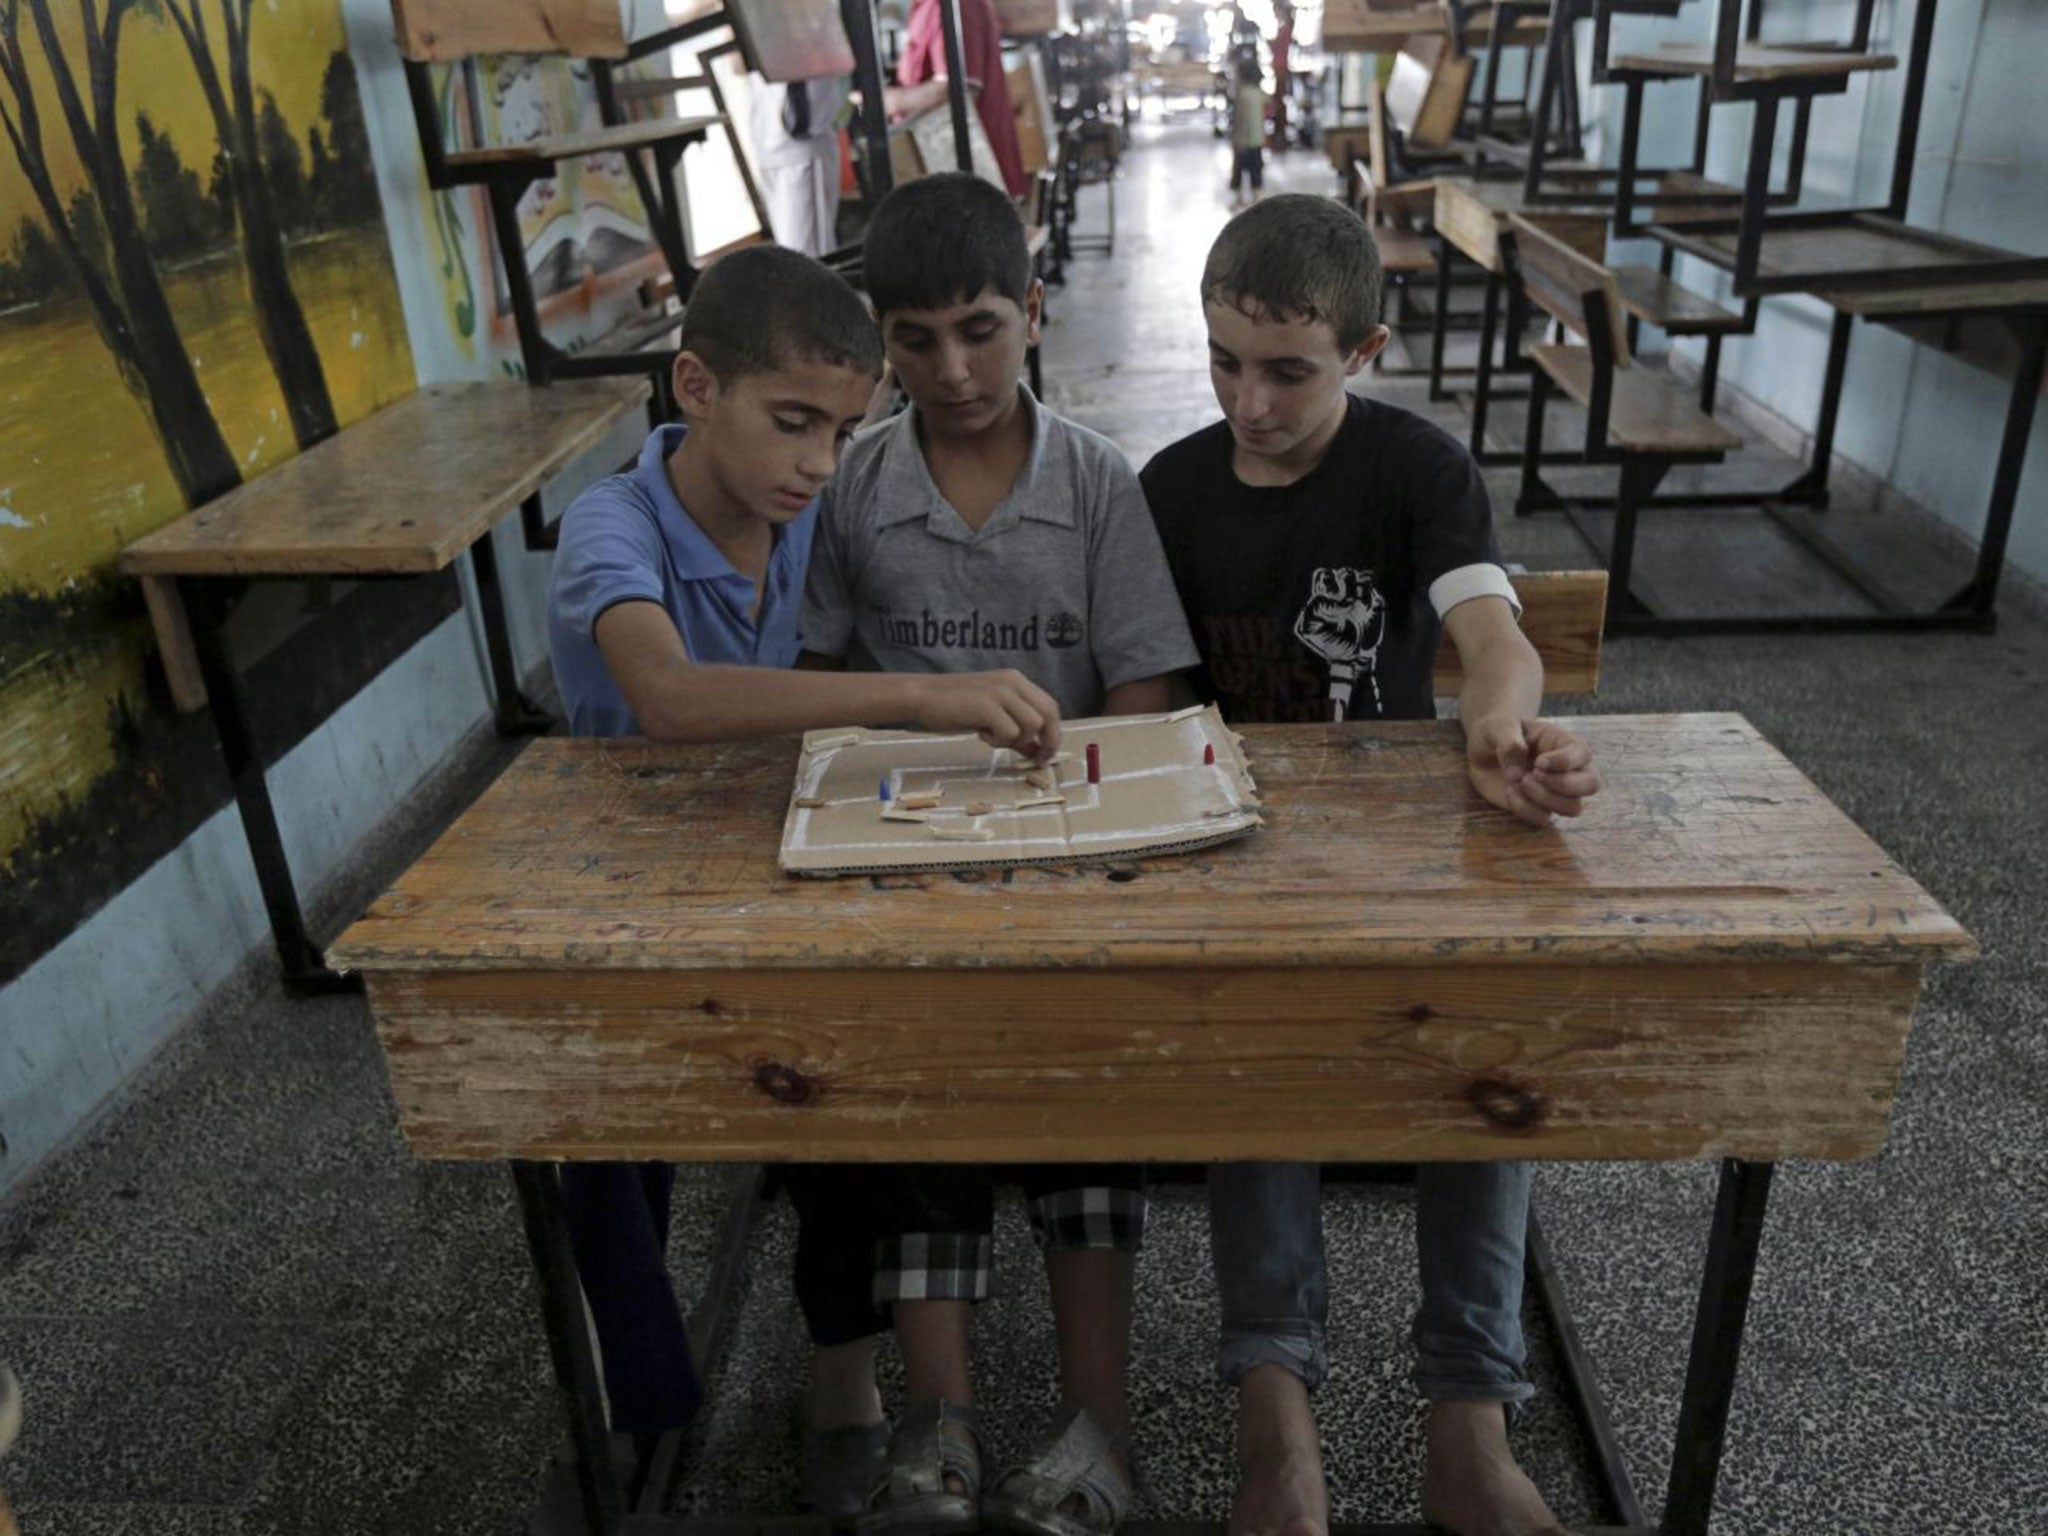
x: 811, y: 802
x: 971, y: 832
x: 1094, y: 763
x: 897, y: 813
x: 1040, y: 778
x: 919, y: 799
x: 1025, y: 805
x: 979, y: 808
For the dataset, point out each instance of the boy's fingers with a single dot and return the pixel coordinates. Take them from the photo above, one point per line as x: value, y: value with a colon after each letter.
x: 1578, y: 785
x: 1537, y: 793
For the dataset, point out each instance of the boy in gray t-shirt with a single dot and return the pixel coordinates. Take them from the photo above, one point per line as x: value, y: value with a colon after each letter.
x: 979, y: 529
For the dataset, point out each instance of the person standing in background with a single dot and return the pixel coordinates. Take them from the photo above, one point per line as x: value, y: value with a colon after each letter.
x: 1283, y: 49
x: 795, y: 133
x: 1247, y: 132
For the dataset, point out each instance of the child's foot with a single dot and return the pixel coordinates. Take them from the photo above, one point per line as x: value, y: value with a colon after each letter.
x: 1280, y: 1488
x: 1472, y: 1485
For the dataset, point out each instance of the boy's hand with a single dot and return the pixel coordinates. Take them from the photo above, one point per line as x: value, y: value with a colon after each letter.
x: 1533, y: 769
x: 1005, y: 709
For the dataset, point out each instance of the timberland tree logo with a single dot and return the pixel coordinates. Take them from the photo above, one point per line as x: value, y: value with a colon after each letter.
x: 975, y: 631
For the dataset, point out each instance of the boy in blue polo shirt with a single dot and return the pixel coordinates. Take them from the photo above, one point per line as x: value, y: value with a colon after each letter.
x: 978, y: 529
x: 673, y: 615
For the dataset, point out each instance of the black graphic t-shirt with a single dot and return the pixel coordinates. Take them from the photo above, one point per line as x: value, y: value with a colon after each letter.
x: 1322, y: 600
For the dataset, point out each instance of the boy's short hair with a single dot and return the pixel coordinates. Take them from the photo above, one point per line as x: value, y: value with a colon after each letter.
x: 1298, y: 256
x: 765, y: 307
x: 942, y: 240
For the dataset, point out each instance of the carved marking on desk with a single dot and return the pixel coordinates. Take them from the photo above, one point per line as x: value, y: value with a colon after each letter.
x: 786, y: 1085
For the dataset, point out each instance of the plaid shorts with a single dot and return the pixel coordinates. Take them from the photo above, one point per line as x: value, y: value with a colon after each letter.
x: 956, y: 1266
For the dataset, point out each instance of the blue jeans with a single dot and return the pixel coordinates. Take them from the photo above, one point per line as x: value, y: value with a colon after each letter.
x: 1471, y: 1223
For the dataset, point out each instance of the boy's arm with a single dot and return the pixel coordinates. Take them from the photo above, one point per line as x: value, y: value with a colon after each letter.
x: 676, y: 699
x: 1529, y: 767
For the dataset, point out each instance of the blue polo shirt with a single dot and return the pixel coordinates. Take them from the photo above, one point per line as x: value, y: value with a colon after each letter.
x: 629, y: 538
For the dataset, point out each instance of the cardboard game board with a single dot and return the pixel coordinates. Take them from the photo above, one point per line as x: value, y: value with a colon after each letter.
x: 1167, y: 783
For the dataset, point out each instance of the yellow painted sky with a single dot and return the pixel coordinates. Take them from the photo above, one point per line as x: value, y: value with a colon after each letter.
x: 290, y: 43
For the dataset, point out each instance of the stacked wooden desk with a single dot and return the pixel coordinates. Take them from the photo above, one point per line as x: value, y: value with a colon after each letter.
x: 402, y: 493
x: 600, y: 959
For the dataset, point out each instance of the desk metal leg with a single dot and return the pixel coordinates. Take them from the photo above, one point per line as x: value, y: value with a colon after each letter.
x: 1811, y: 486
x: 206, y: 602
x: 1981, y: 593
x: 1716, y: 1345
x: 1439, y: 321
x: 1482, y: 379
x: 561, y: 1301
x: 517, y: 714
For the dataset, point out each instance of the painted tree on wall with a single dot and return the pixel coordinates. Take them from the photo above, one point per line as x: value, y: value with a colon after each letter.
x: 280, y: 321
x: 120, y: 280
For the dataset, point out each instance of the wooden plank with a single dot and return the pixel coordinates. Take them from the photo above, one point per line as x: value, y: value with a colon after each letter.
x: 1646, y: 412
x: 455, y: 29
x: 1858, y: 246
x: 1425, y: 95
x: 1471, y: 215
x: 402, y: 491
x: 591, y: 141
x: 1753, y: 62
x: 1374, y: 1063
x: 1965, y: 320
x: 1650, y: 296
x: 1363, y: 26
x: 174, y: 643
x: 1705, y: 844
x: 1563, y: 616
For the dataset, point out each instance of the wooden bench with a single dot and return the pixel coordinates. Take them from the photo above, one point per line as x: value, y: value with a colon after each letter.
x: 1641, y: 421
x: 404, y: 492
x: 1563, y: 616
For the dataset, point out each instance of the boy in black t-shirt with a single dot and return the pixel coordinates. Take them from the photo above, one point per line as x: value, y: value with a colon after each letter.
x: 1321, y: 542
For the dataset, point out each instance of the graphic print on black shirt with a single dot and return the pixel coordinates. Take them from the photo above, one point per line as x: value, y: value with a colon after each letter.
x: 1310, y: 601
x: 1344, y: 621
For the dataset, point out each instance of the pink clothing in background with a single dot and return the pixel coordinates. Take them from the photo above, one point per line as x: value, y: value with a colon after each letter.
x: 981, y: 48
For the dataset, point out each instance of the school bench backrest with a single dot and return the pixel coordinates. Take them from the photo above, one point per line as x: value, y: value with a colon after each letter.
x: 1563, y: 614
x: 443, y: 31
x: 1570, y: 286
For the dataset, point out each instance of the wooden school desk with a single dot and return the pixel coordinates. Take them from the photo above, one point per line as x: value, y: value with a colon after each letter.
x: 600, y: 959
x: 401, y: 494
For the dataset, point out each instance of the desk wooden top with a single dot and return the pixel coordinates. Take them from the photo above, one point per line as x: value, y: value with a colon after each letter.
x: 403, y: 491
x: 600, y: 856
x: 1471, y: 215
x: 601, y: 960
x: 1754, y: 62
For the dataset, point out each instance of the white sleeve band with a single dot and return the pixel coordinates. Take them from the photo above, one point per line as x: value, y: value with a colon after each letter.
x: 1470, y: 581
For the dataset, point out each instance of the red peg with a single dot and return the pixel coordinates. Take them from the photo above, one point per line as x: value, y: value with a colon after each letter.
x: 1209, y: 754
x: 1094, y: 763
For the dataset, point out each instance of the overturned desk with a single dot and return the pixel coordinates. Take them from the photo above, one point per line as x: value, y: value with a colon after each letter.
x: 601, y: 960
x: 403, y: 493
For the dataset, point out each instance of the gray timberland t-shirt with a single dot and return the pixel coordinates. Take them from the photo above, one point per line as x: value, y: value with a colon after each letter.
x: 1065, y: 582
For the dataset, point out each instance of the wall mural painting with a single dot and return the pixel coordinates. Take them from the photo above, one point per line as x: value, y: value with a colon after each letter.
x: 194, y: 285
x: 587, y: 239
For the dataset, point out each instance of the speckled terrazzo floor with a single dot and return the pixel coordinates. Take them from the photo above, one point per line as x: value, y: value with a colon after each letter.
x: 242, y: 1309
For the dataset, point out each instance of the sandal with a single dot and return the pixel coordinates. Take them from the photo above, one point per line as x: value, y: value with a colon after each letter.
x: 930, y: 1484
x: 1075, y: 1484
